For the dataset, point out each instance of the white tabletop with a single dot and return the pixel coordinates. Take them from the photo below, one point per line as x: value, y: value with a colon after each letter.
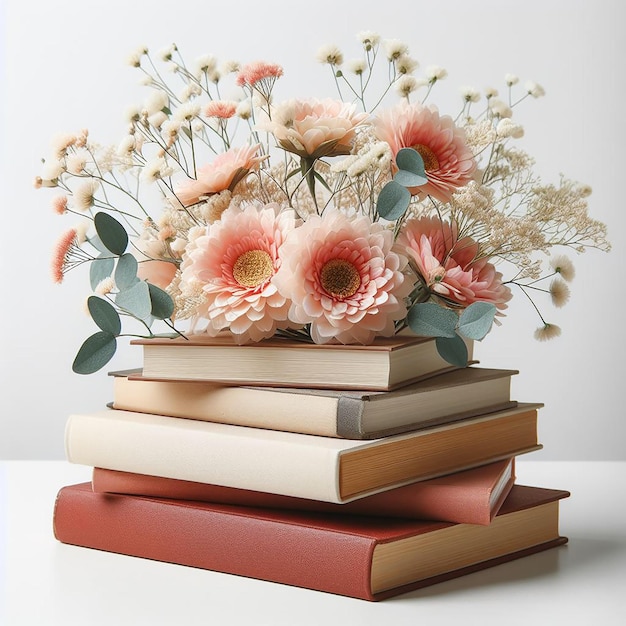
x: 44, y: 582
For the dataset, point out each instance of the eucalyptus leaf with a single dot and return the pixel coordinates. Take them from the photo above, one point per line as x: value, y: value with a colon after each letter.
x: 432, y: 320
x: 410, y: 160
x: 409, y: 179
x: 100, y: 268
x: 476, y: 320
x: 135, y: 300
x: 393, y: 201
x: 453, y: 350
x: 126, y: 271
x: 162, y: 303
x: 95, y: 353
x: 96, y: 242
x: 104, y: 315
x: 112, y: 234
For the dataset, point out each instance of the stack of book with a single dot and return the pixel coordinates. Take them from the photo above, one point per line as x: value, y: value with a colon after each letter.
x: 365, y: 471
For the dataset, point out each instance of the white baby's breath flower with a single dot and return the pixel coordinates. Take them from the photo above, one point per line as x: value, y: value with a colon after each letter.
x: 156, y: 101
x: 490, y: 92
x: 559, y: 292
x: 134, y: 58
x: 394, y: 49
x: 534, y: 89
x: 230, y: 67
x: 470, y: 94
x: 244, y: 110
x: 358, y: 167
x: 167, y: 53
x: 132, y: 114
x: 155, y: 169
x: 83, y: 196
x: 127, y: 145
x: 206, y: 63
x: 186, y: 111
x: 406, y: 64
x: 508, y: 128
x: 157, y: 119
x: 357, y: 66
x: 511, y: 79
x: 105, y: 286
x: 547, y: 332
x: 77, y: 161
x: 584, y: 190
x: 435, y: 73
x: 81, y: 231
x: 500, y: 108
x: 61, y: 142
x: 330, y: 54
x: 368, y: 38
x: 170, y: 129
x: 188, y: 92
x: 52, y: 169
x: 407, y: 85
x: 563, y: 266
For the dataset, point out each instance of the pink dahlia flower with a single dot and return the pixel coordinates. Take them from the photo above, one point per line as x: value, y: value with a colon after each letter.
x: 224, y: 172
x: 315, y: 128
x: 448, y: 162
x: 343, y: 278
x: 449, y: 266
x: 235, y: 263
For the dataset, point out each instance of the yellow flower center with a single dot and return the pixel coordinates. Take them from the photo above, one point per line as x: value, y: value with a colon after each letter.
x: 253, y: 268
x: 431, y: 162
x: 340, y: 278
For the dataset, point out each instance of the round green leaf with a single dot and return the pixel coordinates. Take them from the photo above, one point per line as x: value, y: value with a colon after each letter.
x: 162, y: 303
x: 100, y: 268
x: 410, y: 160
x: 104, y: 315
x: 453, y: 350
x: 432, y: 320
x: 393, y: 201
x: 411, y: 171
x: 126, y: 271
x: 95, y: 353
x: 135, y: 300
x: 476, y: 320
x: 112, y: 234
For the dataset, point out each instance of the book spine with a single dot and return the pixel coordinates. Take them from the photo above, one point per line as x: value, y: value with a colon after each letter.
x: 226, y: 540
x: 204, y: 452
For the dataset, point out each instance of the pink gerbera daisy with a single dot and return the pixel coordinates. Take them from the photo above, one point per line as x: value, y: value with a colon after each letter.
x: 235, y: 263
x: 343, y: 278
x: 226, y: 170
x: 449, y: 266
x: 448, y: 162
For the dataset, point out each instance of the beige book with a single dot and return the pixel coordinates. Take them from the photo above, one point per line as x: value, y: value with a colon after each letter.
x: 293, y: 464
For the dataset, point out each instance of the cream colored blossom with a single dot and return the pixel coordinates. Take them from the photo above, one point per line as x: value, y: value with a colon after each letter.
x: 330, y: 54
x: 84, y: 195
x: 507, y: 128
x: 394, y: 49
x: 547, y: 332
x: 511, y: 79
x: 357, y: 66
x: 535, y: 90
x: 368, y: 38
x: 559, y: 292
x: 470, y: 94
x: 435, y: 73
x: 563, y: 266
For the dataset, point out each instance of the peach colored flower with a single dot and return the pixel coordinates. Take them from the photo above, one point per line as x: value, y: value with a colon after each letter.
x: 449, y: 266
x: 252, y: 73
x: 224, y: 172
x: 159, y: 273
x: 222, y: 109
x: 343, y: 278
x: 63, y: 258
x: 448, y: 162
x: 235, y: 263
x: 315, y: 128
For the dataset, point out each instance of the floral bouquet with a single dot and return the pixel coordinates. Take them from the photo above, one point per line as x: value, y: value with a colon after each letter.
x: 328, y: 220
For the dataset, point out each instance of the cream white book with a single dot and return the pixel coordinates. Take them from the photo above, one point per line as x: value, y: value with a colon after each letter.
x: 448, y: 397
x: 293, y: 464
x: 387, y: 363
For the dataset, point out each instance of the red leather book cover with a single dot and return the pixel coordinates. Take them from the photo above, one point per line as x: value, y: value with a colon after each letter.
x: 470, y: 497
x: 317, y: 551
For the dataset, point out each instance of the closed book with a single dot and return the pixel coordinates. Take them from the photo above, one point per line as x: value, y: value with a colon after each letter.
x: 470, y: 497
x: 362, y: 557
x: 293, y: 464
x: 326, y: 412
x: 387, y: 363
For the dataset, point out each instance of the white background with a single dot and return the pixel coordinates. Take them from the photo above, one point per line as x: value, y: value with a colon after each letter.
x: 64, y: 69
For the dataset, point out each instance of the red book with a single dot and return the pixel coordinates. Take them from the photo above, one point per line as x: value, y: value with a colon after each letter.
x: 470, y: 497
x: 362, y: 557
